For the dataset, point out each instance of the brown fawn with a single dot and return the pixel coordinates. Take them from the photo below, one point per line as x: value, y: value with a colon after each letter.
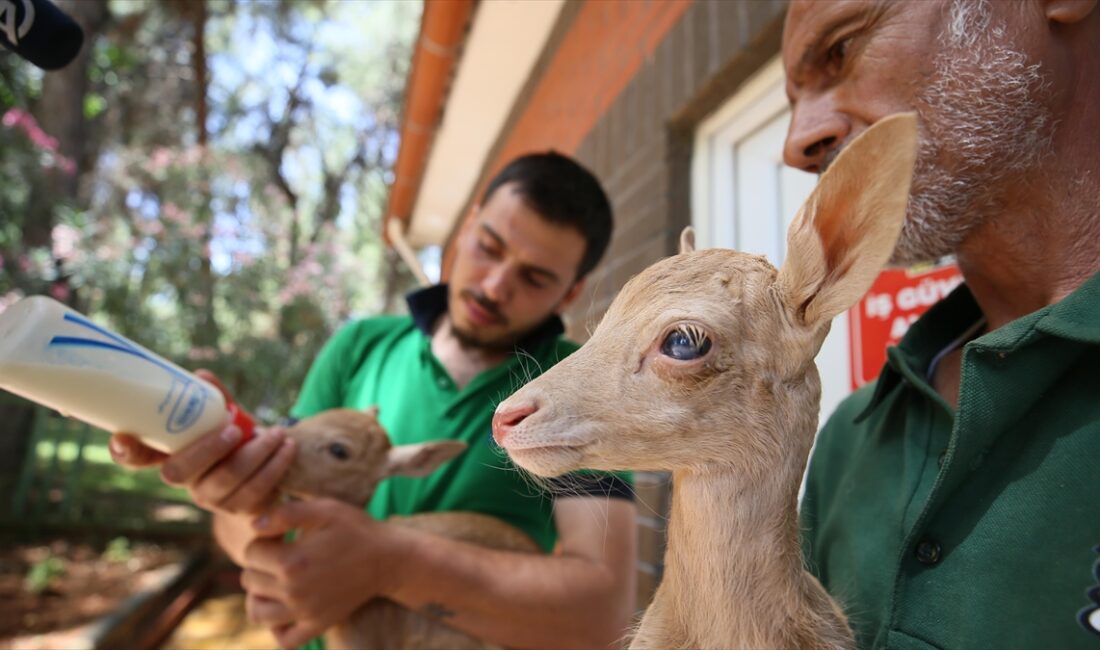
x: 343, y: 454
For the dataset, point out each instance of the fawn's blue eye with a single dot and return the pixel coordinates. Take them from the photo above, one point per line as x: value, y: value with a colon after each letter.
x: 685, y: 343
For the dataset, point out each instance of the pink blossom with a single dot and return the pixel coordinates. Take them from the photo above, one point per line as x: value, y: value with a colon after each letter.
x: 107, y: 253
x: 60, y: 291
x: 41, y: 139
x: 65, y: 239
x: 29, y: 126
x: 191, y: 155
x: 65, y: 164
x: 11, y: 118
x: 161, y: 158
x: 150, y: 227
x: 173, y: 213
x: 294, y: 287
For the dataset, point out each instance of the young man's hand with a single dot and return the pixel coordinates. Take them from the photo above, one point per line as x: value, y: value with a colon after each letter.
x: 341, y: 559
x: 219, y: 476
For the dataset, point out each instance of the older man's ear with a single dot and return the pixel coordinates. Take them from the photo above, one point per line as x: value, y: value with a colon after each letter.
x: 1068, y: 11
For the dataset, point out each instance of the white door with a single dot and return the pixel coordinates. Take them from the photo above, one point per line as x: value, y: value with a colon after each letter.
x: 744, y: 197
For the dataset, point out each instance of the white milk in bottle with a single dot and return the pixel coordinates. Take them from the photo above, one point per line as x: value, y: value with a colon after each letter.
x: 55, y: 356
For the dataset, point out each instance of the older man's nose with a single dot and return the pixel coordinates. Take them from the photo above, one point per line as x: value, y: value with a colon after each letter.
x: 506, y: 419
x: 813, y: 135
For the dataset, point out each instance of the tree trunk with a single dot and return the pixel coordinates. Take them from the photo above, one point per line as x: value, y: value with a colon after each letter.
x: 16, y: 426
x: 60, y: 113
x: 207, y: 333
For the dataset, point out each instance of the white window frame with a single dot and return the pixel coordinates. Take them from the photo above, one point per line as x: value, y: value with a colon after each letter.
x: 756, y: 103
x: 714, y: 198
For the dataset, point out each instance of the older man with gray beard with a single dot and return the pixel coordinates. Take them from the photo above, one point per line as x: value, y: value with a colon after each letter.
x: 956, y: 502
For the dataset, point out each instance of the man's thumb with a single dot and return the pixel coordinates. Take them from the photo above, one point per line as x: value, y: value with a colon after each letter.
x: 288, y: 516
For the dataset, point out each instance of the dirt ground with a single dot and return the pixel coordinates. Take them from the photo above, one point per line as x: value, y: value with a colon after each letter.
x: 79, y: 583
x: 220, y: 623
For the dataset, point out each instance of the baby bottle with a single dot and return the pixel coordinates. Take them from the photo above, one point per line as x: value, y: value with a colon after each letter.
x: 53, y: 355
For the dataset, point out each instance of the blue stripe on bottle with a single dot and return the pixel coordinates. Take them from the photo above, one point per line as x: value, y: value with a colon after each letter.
x: 187, y: 403
x: 123, y: 345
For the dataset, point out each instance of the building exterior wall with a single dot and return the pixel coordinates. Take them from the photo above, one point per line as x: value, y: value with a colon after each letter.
x: 623, y: 90
x: 596, y: 53
x: 641, y: 149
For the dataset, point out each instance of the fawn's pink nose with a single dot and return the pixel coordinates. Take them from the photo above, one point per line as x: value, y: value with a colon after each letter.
x: 504, y: 420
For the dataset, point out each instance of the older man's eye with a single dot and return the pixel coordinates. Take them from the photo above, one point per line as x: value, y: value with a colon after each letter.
x: 838, y: 52
x: 685, y: 344
x: 338, y: 451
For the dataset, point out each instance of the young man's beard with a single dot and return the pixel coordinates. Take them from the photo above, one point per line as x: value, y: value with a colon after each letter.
x: 982, y: 109
x: 470, y: 341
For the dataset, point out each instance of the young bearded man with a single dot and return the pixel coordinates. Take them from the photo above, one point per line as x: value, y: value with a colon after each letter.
x: 542, y: 225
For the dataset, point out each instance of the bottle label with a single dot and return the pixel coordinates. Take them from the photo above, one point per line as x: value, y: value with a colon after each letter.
x: 187, y: 406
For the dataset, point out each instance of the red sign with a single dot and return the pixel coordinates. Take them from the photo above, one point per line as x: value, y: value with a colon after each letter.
x: 897, y: 298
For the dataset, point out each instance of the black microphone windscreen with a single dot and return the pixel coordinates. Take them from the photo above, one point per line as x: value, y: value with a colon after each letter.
x: 40, y: 32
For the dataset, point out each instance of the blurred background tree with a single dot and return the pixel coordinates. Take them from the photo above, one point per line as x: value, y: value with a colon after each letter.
x: 208, y: 179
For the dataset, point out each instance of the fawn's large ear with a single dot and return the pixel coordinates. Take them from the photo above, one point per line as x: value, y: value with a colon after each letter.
x: 421, y: 459
x: 846, y: 231
x: 687, y: 240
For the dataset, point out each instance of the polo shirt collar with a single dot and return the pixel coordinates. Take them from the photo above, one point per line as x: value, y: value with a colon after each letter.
x: 428, y: 304
x: 925, y: 338
x: 1077, y: 316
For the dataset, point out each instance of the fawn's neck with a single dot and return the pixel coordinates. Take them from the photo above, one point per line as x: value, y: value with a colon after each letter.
x: 733, y: 569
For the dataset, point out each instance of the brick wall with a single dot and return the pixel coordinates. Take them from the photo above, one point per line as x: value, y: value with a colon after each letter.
x: 641, y: 148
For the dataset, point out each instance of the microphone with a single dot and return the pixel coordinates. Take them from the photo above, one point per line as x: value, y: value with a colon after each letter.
x: 39, y: 32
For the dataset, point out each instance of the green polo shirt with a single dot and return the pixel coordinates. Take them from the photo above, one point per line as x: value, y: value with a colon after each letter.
x: 974, y: 527
x: 388, y: 361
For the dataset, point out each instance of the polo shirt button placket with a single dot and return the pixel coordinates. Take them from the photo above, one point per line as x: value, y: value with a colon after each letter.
x: 929, y: 552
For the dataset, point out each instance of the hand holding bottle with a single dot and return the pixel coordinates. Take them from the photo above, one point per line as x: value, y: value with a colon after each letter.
x: 220, y: 473
x: 185, y: 422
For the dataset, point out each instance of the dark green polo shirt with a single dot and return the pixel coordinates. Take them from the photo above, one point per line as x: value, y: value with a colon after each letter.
x: 388, y: 361
x: 976, y: 527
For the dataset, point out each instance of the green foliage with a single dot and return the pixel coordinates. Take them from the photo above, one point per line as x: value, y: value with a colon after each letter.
x: 42, y: 572
x: 241, y: 256
x: 94, y: 105
x: 118, y: 550
x: 71, y: 480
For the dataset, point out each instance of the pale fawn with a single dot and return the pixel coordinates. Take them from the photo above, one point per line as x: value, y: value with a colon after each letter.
x: 704, y: 366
